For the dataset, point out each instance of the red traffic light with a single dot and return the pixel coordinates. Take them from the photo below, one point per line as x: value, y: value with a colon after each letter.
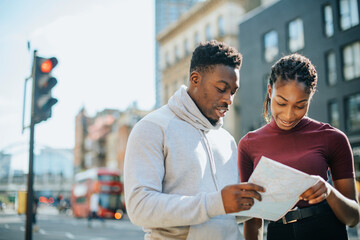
x: 48, y: 65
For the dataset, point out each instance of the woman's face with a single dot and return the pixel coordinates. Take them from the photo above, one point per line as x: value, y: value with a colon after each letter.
x: 289, y: 103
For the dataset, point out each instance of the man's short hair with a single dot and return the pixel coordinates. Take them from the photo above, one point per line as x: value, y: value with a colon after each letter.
x: 211, y: 53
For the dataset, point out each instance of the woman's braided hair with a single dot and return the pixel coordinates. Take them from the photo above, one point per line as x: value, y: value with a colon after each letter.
x: 290, y: 68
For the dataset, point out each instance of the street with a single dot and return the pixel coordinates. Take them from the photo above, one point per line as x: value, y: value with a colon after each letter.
x: 55, y: 226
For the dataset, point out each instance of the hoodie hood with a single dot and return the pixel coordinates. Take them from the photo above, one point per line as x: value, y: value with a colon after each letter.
x: 185, y: 108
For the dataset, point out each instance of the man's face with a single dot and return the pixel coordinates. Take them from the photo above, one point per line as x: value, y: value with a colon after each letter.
x: 214, y: 90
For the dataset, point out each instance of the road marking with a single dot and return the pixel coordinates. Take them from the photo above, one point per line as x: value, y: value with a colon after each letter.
x: 7, y: 226
x: 41, y: 231
x: 69, y: 235
x: 22, y: 229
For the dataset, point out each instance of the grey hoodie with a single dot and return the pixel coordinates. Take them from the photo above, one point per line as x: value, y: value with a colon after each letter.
x: 176, y: 164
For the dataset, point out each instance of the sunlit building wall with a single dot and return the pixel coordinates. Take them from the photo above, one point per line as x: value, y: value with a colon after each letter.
x: 212, y: 19
x: 166, y: 13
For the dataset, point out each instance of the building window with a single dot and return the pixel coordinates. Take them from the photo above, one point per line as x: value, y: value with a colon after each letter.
x: 221, y: 27
x: 351, y: 57
x: 186, y: 47
x: 328, y: 20
x: 177, y: 53
x: 349, y: 14
x: 296, y: 35
x: 196, y: 39
x: 334, y: 114
x: 353, y: 113
x: 208, y: 32
x: 167, y: 60
x: 331, y: 68
x: 271, y: 45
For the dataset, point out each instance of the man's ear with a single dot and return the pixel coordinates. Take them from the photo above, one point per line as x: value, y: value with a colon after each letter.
x: 195, y: 78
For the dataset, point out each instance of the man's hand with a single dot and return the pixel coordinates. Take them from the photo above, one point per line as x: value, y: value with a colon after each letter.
x: 240, y: 197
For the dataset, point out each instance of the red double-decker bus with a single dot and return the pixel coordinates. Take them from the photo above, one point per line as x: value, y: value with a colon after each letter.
x: 104, y: 181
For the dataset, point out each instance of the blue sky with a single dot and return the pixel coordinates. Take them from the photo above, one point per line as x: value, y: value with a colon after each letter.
x: 105, y: 50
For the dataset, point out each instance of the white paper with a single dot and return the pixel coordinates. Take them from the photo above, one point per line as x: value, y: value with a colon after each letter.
x: 283, y: 186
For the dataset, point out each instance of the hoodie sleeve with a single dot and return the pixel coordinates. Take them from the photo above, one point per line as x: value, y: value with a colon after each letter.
x: 144, y: 171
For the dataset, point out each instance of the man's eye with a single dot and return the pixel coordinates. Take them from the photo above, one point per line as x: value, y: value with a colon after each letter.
x: 281, y: 104
x: 300, y: 107
x: 221, y: 90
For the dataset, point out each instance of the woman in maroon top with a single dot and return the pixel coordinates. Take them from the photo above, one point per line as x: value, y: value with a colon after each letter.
x: 313, y: 147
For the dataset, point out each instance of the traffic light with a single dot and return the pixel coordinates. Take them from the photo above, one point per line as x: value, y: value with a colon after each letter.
x: 44, y: 82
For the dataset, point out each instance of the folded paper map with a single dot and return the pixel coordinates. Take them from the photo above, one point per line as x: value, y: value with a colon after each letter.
x: 283, y: 186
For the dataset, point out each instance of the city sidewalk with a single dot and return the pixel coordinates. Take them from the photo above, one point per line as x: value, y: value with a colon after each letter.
x: 13, y: 217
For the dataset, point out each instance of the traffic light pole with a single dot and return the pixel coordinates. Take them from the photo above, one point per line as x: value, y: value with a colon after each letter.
x: 30, y: 191
x: 30, y: 180
x: 41, y: 103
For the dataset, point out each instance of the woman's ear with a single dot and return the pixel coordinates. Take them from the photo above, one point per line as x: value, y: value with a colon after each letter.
x: 269, y: 90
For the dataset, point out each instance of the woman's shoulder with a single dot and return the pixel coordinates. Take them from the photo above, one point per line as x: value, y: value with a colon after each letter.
x: 321, y: 126
x: 257, y: 133
x: 325, y: 129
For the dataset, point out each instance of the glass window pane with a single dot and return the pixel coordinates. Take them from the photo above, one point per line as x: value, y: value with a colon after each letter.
x: 186, y: 47
x: 353, y: 113
x: 296, y: 35
x: 196, y: 39
x: 351, y: 61
x: 221, y: 26
x: 354, y: 12
x: 167, y: 59
x: 356, y: 55
x: 334, y: 114
x: 208, y: 32
x: 329, y: 24
x: 271, y: 46
x: 344, y: 14
x: 349, y: 14
x: 331, y: 68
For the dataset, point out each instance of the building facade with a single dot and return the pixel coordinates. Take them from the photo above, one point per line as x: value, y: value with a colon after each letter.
x: 212, y: 19
x: 100, y: 141
x: 166, y: 13
x: 82, y: 121
x: 325, y: 31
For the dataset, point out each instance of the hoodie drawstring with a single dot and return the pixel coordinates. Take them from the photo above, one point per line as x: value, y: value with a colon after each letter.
x: 211, y: 158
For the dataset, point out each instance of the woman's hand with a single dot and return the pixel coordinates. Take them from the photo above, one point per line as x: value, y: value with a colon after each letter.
x: 318, y: 192
x: 341, y: 198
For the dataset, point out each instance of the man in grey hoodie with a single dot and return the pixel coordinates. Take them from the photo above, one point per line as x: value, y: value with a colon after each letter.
x: 181, y: 174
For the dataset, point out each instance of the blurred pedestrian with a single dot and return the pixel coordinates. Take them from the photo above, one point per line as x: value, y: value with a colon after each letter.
x: 313, y: 147
x: 94, y: 209
x: 181, y: 175
x: 34, y: 217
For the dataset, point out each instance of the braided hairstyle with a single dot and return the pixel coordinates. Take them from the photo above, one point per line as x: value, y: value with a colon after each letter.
x: 290, y: 68
x: 210, y: 53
